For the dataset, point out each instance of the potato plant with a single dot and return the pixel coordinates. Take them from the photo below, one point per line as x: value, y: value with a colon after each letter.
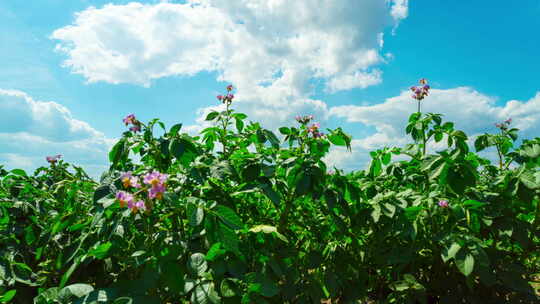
x: 242, y: 215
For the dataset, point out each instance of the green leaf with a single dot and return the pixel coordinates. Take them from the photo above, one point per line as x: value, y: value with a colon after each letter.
x: 29, y: 235
x: 229, y: 217
x: 375, y: 167
x: 175, y: 129
x: 195, y: 214
x: 228, y: 288
x: 229, y: 239
x: 412, y: 212
x: 214, y: 252
x: 465, y: 263
x: 472, y: 204
x: 239, y: 125
x: 284, y: 130
x: 205, y: 293
x: 6, y: 297
x: 337, y: 139
x: 211, y: 115
x: 197, y: 264
x: 74, y: 290
x: 101, y: 251
x: 450, y: 252
x: 303, y: 183
x: 116, y: 152
x: 101, y: 192
x: 529, y: 180
x: 270, y: 193
x: 268, y: 229
x: 70, y: 271
x: 19, y: 172
x: 262, y: 284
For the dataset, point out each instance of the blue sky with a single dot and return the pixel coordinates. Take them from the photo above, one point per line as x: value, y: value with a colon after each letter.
x: 99, y: 67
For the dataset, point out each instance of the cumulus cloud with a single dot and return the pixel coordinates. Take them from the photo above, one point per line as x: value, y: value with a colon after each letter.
x: 470, y: 110
x: 34, y: 129
x: 271, y: 50
x: 247, y: 41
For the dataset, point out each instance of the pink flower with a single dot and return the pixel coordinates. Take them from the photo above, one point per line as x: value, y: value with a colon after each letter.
x: 443, y: 204
x: 136, y: 206
x: 220, y: 97
x: 314, y: 128
x: 420, y: 92
x: 53, y: 159
x: 156, y: 191
x: 126, y: 179
x: 124, y: 198
x: 129, y: 119
x: 508, y: 121
x: 157, y: 182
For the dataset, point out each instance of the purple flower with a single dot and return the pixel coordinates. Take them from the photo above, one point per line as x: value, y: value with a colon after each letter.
x: 508, y: 121
x: 136, y: 206
x: 129, y: 119
x: 229, y: 87
x: 126, y: 179
x: 314, y: 128
x: 157, y: 182
x: 53, y: 159
x: 124, y: 198
x: 155, y: 178
x: 420, y: 92
x: 443, y: 204
x: 156, y: 191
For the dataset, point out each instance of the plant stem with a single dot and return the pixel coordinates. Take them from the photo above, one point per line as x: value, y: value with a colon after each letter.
x: 225, y: 123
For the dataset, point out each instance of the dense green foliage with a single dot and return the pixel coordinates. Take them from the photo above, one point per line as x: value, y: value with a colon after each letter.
x: 249, y: 218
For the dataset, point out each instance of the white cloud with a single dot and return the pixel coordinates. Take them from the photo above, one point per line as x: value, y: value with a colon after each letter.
x: 271, y: 50
x: 471, y: 111
x: 246, y: 41
x: 34, y: 129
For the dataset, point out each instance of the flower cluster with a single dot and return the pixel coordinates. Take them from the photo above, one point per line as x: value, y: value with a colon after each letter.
x: 421, y: 91
x: 53, y: 159
x: 443, y: 204
x: 314, y: 130
x: 504, y: 125
x: 130, y: 119
x: 128, y: 199
x: 156, y: 181
x: 156, y: 187
x: 227, y: 98
x: 304, y: 119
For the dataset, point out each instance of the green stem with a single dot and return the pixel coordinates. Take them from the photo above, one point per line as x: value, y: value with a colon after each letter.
x: 225, y: 123
x: 285, y: 214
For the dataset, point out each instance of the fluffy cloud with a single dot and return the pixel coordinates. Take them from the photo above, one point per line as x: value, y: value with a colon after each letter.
x: 247, y: 41
x: 271, y: 50
x: 471, y: 111
x: 34, y: 129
